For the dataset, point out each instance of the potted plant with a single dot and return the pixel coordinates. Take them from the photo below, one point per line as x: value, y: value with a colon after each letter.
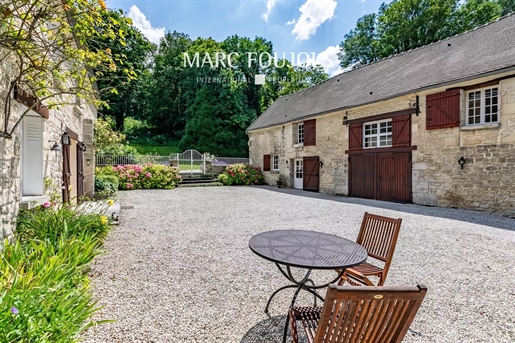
x: 281, y: 181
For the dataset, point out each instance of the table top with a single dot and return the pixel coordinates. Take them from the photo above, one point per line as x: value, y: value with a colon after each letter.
x: 307, y: 249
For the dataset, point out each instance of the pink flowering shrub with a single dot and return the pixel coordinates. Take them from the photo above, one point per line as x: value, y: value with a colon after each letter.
x: 241, y: 174
x: 147, y: 176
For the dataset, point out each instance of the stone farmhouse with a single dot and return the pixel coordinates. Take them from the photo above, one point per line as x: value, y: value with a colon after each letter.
x: 50, y: 150
x: 433, y: 126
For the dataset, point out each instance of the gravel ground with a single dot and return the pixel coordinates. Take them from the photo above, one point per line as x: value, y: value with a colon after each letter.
x: 178, y: 267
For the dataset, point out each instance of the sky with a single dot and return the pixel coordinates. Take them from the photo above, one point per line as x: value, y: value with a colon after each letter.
x: 297, y: 28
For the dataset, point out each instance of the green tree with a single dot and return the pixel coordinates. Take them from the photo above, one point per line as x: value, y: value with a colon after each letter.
x: 128, y: 100
x: 46, y: 44
x: 361, y: 46
x: 108, y: 141
x: 507, y: 6
x: 408, y: 24
x: 218, y: 118
x: 302, y: 77
x: 167, y: 97
x: 474, y: 13
x: 253, y: 57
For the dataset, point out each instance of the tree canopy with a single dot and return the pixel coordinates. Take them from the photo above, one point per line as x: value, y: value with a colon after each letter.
x: 408, y: 24
x: 46, y: 42
x: 126, y: 98
x: 190, y: 98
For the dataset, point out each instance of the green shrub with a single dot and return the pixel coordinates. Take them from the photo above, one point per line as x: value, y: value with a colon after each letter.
x: 52, y: 223
x: 106, y: 183
x: 43, y: 287
x: 241, y: 174
x: 148, y: 176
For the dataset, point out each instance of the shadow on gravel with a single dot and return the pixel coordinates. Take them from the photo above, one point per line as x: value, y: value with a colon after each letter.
x: 476, y: 217
x: 270, y: 330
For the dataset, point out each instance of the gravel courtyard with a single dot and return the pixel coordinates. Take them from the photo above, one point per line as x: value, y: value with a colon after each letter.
x: 178, y: 267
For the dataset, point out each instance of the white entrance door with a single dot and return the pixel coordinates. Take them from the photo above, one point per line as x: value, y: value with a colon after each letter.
x: 297, y: 180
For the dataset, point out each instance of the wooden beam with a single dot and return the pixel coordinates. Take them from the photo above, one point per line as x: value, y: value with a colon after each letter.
x: 383, y: 116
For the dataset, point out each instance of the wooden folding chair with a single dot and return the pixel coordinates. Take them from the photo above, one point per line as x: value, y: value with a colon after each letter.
x: 378, y: 235
x: 357, y: 314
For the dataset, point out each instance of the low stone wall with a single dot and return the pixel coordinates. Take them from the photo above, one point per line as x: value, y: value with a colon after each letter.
x: 214, y: 170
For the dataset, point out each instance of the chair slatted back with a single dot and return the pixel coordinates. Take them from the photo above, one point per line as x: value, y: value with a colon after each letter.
x: 357, y: 314
x: 378, y: 235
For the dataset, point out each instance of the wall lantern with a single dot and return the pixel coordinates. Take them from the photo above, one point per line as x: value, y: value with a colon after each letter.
x: 65, y: 138
x: 88, y: 161
x: 345, y: 119
x: 461, y: 161
x: 321, y: 164
x: 56, y: 147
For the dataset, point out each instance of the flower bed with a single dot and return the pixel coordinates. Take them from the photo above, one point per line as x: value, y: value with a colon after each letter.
x: 147, y: 176
x: 241, y: 174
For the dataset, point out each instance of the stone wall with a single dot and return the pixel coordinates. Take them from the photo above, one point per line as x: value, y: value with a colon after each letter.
x: 77, y: 118
x: 485, y: 183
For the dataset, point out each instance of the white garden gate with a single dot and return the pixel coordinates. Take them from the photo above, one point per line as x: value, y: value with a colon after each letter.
x: 189, y: 162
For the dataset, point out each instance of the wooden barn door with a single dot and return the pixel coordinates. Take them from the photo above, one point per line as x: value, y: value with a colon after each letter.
x: 311, y: 176
x: 361, y: 176
x: 381, y: 176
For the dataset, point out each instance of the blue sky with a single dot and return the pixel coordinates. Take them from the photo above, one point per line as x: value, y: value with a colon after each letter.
x: 293, y: 26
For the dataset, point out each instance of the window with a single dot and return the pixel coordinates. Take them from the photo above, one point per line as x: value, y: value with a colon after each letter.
x: 377, y: 134
x: 300, y: 133
x: 275, y: 162
x: 483, y: 106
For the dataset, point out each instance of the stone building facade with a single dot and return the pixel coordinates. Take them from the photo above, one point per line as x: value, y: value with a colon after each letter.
x: 29, y: 170
x: 448, y: 140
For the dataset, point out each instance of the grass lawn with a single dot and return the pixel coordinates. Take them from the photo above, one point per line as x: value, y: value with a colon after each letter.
x: 188, y: 166
x: 162, y: 150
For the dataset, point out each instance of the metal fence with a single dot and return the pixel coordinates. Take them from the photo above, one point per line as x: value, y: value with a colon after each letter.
x: 225, y: 161
x: 116, y: 160
x: 190, y: 161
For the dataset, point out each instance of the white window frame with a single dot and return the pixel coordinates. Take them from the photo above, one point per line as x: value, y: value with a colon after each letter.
x: 298, y: 134
x: 482, y: 106
x: 378, y: 135
x: 275, y: 162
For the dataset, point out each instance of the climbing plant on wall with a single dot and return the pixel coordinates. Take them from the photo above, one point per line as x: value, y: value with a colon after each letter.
x: 45, y: 45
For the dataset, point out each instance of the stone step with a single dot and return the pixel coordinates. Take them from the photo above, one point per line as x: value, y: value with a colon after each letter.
x: 197, y: 180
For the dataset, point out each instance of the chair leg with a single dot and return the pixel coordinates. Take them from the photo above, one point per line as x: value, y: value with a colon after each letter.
x: 293, y: 326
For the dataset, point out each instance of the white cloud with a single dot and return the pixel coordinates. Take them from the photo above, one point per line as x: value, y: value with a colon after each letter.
x: 328, y: 59
x: 313, y: 14
x: 291, y: 22
x: 270, y: 4
x: 140, y: 21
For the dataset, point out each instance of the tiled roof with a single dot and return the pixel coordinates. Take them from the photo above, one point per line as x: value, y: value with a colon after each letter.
x: 487, y: 49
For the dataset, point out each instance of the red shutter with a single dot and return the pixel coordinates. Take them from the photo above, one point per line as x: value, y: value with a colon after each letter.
x: 266, y: 162
x: 443, y: 110
x: 310, y: 132
x: 401, y: 131
x: 356, y: 136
